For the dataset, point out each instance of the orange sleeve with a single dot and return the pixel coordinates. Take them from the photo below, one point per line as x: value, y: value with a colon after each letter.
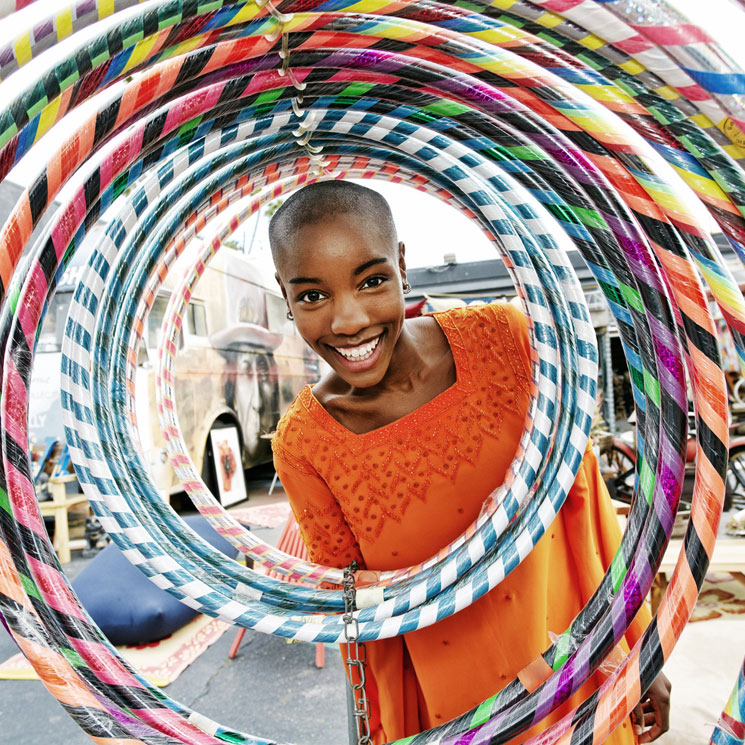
x: 325, y: 532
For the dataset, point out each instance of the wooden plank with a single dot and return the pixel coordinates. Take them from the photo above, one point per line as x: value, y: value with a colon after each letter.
x: 729, y: 555
x: 59, y: 508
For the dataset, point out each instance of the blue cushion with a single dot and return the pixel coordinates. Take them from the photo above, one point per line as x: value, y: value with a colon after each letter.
x: 125, y: 604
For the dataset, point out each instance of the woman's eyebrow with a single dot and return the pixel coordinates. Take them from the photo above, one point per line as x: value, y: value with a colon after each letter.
x: 361, y: 268
x: 305, y: 280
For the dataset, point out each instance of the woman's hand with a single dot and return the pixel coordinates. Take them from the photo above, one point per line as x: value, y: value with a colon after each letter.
x: 651, y: 717
x: 364, y: 577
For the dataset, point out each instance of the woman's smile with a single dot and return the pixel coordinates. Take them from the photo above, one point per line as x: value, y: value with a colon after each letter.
x: 360, y: 357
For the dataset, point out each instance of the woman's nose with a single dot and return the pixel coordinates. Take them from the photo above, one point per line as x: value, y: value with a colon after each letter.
x: 349, y: 318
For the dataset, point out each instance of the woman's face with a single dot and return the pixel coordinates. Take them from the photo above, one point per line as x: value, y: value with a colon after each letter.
x: 343, y: 285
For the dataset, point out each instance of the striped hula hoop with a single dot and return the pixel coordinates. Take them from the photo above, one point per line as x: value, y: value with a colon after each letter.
x: 504, y: 125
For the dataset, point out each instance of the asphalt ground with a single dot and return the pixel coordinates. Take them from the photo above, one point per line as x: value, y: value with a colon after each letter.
x: 271, y: 689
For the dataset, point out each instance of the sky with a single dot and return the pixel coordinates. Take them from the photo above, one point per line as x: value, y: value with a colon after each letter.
x: 430, y: 229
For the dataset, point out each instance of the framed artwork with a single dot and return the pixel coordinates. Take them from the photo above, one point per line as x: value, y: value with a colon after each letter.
x: 231, y: 484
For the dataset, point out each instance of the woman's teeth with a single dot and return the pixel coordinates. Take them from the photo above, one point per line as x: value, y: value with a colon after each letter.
x: 358, y: 353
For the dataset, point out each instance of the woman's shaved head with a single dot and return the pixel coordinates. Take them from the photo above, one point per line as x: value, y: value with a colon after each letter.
x: 315, y: 202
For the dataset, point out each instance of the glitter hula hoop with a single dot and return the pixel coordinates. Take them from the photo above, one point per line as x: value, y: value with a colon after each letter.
x: 243, y: 539
x: 166, y: 231
x: 592, y: 720
x: 130, y: 354
x: 730, y: 729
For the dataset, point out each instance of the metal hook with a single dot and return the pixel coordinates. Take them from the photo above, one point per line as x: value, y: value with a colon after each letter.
x: 305, y: 123
x: 274, y: 35
x: 284, y: 55
x: 273, y: 11
x: 304, y: 142
x: 318, y: 164
x: 300, y: 113
x: 297, y: 133
x: 296, y: 84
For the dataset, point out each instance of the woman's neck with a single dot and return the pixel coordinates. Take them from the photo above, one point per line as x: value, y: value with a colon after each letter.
x: 421, y: 368
x: 404, y: 372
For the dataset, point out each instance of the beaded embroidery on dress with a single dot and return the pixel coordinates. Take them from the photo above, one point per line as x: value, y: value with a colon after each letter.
x: 375, y: 476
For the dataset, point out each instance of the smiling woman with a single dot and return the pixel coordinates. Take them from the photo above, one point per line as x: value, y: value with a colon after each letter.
x: 415, y: 425
x: 344, y: 286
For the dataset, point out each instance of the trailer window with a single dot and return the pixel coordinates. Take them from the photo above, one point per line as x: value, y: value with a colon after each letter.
x: 155, y: 321
x: 197, y: 315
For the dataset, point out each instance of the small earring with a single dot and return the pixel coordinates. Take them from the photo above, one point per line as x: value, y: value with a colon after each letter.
x: 290, y: 317
x: 407, y: 288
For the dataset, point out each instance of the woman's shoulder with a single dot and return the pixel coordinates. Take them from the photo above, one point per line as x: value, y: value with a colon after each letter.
x: 508, y: 312
x: 293, y: 428
x: 500, y: 323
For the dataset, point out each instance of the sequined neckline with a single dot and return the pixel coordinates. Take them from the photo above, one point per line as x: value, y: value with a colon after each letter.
x: 426, y: 411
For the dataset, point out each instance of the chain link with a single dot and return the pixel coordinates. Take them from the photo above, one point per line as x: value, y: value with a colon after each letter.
x: 356, y: 658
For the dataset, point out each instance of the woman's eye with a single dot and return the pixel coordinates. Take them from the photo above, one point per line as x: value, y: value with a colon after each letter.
x: 374, y: 281
x: 311, y: 296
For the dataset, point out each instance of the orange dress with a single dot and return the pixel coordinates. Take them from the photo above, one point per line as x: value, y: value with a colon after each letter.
x: 394, y: 496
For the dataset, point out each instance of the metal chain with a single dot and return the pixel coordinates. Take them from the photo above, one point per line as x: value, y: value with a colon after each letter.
x: 355, y: 662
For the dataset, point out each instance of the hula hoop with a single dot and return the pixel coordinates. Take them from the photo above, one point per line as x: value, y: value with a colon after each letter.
x: 474, y: 80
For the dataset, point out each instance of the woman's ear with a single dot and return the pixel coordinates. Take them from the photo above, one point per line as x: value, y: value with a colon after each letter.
x: 402, y: 260
x: 281, y: 286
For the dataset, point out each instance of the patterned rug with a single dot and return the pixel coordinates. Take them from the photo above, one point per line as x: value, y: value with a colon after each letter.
x: 160, y: 662
x: 722, y: 596
x: 265, y: 516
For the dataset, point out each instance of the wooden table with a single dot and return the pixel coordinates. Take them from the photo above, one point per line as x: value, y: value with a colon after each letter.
x: 729, y: 556
x: 58, y: 507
